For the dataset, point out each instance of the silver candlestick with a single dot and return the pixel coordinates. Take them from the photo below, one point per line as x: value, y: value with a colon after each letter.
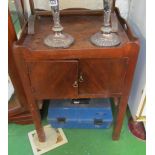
x: 106, y: 37
x: 58, y: 39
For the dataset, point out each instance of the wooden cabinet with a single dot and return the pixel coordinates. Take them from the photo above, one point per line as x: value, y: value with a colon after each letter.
x: 77, y: 78
x: 81, y: 71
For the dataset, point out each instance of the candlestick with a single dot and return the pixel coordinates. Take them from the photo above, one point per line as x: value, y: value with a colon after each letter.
x: 106, y: 37
x: 58, y: 39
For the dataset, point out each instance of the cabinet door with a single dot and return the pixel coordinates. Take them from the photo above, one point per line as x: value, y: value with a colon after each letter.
x: 53, y: 79
x: 101, y: 76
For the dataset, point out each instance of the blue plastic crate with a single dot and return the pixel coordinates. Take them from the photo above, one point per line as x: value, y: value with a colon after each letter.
x: 64, y: 114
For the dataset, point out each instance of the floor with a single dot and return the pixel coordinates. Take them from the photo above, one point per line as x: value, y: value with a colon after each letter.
x: 80, y: 142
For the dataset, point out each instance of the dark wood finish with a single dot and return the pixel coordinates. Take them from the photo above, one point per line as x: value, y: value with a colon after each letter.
x: 14, y: 106
x: 22, y: 118
x: 35, y: 44
x: 71, y: 11
x: 102, y: 76
x: 107, y: 72
x: 22, y: 68
x: 18, y: 114
x: 13, y: 72
x: 53, y: 79
x: 18, y: 106
x: 18, y: 85
x: 134, y: 47
x: 18, y: 103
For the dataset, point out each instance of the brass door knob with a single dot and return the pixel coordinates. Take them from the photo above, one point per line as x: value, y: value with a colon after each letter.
x: 81, y: 78
x: 75, y: 84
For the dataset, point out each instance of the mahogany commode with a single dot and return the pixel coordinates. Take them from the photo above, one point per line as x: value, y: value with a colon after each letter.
x: 81, y: 71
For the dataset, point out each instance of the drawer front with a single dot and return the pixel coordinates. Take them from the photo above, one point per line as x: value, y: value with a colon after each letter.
x: 102, y: 76
x: 53, y: 79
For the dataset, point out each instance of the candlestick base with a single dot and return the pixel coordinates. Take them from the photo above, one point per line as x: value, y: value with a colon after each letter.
x: 59, y: 40
x: 105, y: 39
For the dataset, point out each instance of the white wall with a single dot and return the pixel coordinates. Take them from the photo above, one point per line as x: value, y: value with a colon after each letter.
x: 90, y: 4
x: 10, y: 88
x: 137, y: 14
x: 137, y: 21
x: 123, y: 6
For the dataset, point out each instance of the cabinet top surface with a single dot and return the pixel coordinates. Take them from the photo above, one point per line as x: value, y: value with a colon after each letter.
x: 80, y: 27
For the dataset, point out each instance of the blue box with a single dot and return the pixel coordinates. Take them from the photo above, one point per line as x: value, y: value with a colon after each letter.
x: 64, y: 114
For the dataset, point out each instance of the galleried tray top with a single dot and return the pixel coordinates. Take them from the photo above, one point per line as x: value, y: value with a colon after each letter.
x: 80, y: 27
